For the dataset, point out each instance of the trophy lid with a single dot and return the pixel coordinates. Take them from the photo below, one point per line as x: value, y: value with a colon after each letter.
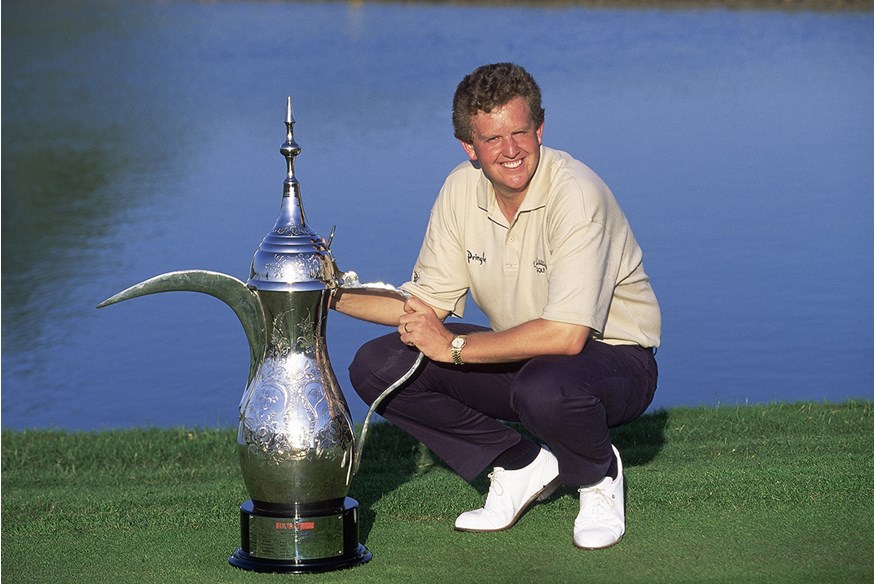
x: 292, y: 257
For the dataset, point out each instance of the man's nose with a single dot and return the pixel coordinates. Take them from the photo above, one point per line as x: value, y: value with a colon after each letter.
x: 511, y: 147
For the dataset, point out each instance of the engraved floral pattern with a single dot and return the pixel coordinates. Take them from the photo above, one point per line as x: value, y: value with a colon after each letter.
x: 295, y: 267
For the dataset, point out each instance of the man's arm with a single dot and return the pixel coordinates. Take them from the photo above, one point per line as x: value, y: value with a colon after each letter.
x: 527, y: 340
x: 421, y: 328
x: 375, y: 305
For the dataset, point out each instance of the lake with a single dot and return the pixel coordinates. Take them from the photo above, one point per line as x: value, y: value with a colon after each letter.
x: 142, y: 137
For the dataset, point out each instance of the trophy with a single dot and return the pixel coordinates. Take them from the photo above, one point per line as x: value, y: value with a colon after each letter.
x: 295, y: 435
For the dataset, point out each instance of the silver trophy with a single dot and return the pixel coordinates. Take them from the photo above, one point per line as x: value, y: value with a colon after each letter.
x: 295, y: 435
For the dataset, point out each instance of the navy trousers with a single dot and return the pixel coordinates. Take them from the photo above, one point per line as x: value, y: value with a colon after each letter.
x: 567, y: 402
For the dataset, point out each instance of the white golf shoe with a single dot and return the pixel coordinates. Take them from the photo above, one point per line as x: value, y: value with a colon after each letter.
x: 600, y: 522
x: 511, y: 494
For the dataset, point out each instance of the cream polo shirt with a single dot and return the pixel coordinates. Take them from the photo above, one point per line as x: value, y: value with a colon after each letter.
x: 569, y: 254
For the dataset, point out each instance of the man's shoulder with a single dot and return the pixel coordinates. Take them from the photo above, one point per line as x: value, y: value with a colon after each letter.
x: 569, y: 177
x: 464, y: 171
x: 464, y: 185
x: 576, y: 191
x: 564, y: 165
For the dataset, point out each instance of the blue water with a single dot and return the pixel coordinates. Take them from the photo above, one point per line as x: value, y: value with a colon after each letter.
x: 142, y: 137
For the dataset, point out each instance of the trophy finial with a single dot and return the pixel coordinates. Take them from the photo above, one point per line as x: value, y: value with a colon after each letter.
x: 292, y: 257
x: 290, y: 149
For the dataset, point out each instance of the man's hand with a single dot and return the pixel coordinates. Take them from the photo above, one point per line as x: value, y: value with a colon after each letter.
x: 420, y: 327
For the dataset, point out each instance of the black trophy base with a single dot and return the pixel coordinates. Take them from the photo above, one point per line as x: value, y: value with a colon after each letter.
x: 299, y: 540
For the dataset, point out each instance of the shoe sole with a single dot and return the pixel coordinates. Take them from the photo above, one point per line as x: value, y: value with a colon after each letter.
x: 604, y: 547
x: 541, y: 495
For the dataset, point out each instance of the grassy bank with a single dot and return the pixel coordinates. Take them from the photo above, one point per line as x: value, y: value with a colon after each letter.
x: 779, y: 493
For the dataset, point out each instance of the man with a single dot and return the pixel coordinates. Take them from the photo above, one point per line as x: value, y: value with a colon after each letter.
x: 547, y: 254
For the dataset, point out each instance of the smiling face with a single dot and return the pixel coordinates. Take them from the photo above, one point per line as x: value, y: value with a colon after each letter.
x: 505, y: 142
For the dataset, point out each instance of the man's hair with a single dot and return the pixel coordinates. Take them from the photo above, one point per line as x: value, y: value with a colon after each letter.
x: 491, y: 86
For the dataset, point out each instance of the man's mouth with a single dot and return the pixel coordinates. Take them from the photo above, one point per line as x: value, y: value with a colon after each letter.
x: 513, y: 164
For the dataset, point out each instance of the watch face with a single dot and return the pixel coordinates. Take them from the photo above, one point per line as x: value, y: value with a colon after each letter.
x: 458, y: 342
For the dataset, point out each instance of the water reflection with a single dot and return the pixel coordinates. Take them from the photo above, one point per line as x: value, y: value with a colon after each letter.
x: 142, y: 137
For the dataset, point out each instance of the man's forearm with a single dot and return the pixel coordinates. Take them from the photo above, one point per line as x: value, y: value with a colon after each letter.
x: 373, y: 305
x: 530, y: 339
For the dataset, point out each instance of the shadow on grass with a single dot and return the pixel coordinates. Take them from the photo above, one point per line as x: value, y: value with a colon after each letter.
x: 392, y: 457
x: 640, y: 441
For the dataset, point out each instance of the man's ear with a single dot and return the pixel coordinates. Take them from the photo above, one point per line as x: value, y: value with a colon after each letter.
x: 469, y: 150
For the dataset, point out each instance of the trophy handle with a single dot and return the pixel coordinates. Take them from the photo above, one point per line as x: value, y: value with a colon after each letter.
x: 243, y: 301
x: 351, y: 282
x: 360, y: 443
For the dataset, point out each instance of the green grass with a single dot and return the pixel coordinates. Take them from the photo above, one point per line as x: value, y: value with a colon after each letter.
x: 778, y: 493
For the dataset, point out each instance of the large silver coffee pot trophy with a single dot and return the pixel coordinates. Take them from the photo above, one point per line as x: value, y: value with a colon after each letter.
x: 295, y: 436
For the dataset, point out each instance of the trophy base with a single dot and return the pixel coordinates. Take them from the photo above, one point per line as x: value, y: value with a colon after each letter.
x: 299, y: 541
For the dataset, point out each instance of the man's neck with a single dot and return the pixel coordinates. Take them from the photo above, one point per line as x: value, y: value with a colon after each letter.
x: 509, y: 204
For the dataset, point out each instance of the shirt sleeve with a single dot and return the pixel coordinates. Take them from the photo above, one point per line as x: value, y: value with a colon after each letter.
x: 585, y: 258
x: 440, y: 276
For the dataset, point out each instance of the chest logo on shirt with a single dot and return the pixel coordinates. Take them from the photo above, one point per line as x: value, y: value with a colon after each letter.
x: 540, y: 266
x: 481, y: 258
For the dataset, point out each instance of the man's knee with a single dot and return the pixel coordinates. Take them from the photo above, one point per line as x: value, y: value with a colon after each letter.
x: 362, y: 369
x: 376, y: 364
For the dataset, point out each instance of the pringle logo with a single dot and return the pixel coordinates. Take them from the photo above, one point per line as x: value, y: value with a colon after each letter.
x: 480, y: 258
x: 540, y: 266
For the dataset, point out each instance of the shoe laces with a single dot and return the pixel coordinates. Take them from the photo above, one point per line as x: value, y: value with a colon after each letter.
x: 496, y: 481
x: 597, y: 500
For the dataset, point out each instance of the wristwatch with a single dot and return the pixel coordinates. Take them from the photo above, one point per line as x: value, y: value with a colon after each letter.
x: 456, y: 346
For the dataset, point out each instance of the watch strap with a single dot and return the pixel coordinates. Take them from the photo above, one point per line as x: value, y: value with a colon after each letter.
x: 456, y: 349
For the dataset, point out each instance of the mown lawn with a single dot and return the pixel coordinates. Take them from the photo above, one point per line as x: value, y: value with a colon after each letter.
x: 777, y: 493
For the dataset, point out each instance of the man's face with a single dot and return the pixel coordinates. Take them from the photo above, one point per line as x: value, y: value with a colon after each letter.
x: 505, y: 142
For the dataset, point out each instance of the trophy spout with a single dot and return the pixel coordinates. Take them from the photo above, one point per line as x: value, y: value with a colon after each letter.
x: 243, y: 301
